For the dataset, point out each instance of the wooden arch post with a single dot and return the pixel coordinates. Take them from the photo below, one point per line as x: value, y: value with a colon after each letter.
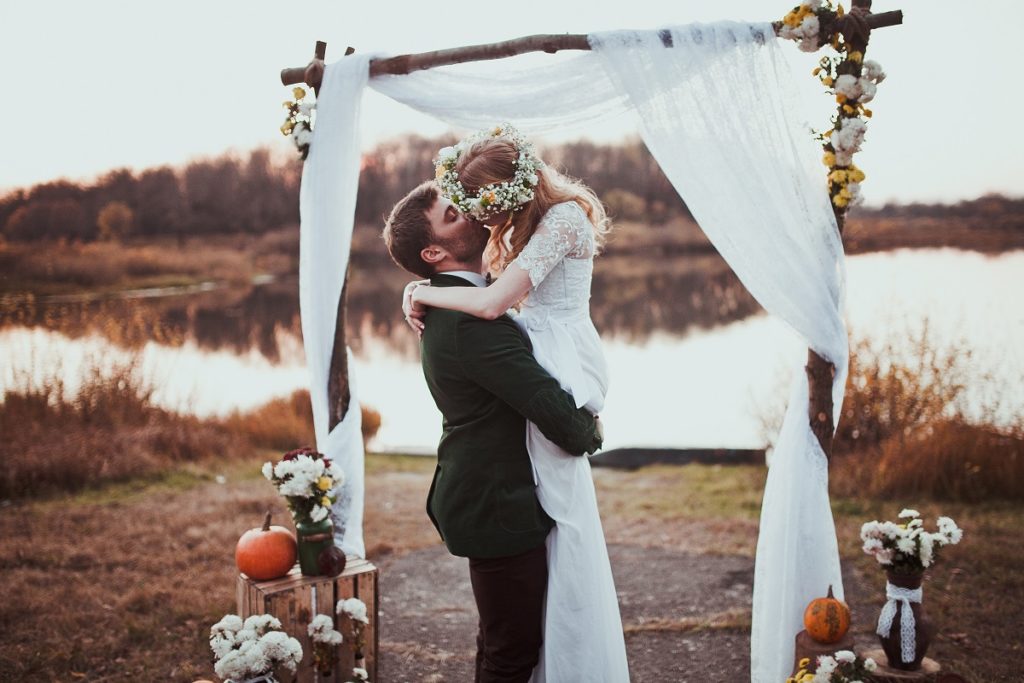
x: 855, y: 28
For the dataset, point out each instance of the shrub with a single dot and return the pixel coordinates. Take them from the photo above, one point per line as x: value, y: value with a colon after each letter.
x: 907, y: 427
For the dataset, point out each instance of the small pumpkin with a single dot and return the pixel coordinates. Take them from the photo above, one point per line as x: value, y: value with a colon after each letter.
x: 827, y: 619
x: 266, y: 553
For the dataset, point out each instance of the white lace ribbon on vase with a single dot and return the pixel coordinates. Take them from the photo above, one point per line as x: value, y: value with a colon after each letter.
x: 908, y: 640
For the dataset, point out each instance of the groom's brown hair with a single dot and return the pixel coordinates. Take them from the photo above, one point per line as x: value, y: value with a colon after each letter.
x: 407, y: 230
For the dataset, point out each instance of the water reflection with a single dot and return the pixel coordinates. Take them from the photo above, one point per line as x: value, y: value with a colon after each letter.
x: 690, y: 365
x: 632, y: 297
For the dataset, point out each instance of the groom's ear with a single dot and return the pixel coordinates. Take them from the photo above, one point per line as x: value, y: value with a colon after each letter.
x: 433, y: 254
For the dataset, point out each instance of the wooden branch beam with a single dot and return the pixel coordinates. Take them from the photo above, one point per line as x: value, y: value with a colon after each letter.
x: 550, y: 43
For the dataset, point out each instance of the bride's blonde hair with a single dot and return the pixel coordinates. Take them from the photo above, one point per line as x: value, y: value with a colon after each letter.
x: 492, y: 160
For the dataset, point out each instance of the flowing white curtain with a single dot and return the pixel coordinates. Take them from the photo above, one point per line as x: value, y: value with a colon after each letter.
x: 717, y: 112
x: 715, y: 105
x: 327, y: 199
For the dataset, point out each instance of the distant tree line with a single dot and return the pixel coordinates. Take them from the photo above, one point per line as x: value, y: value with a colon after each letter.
x: 224, y: 194
x: 258, y: 192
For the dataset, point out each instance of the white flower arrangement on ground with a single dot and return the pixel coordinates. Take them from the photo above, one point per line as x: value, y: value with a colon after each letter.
x: 255, y: 647
x: 851, y: 80
x: 299, y: 124
x: 308, y: 481
x: 325, y: 642
x: 842, y: 667
x: 355, y: 611
x: 907, y: 547
x: 360, y: 675
x: 497, y: 197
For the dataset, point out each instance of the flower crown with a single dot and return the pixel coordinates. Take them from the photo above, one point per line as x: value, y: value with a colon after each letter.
x: 496, y: 197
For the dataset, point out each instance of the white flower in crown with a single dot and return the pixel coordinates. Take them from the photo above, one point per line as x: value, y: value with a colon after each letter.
x: 845, y: 656
x: 496, y: 197
x: 908, y: 512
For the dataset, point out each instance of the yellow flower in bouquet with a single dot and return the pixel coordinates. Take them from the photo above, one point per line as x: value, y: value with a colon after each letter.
x: 298, y: 92
x: 325, y: 501
x: 325, y: 483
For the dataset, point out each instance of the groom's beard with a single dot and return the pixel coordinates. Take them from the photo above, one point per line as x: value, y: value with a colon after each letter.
x: 469, y: 244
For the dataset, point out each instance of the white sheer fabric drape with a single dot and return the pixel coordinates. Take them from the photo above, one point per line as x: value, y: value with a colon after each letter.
x: 327, y: 198
x: 716, y: 111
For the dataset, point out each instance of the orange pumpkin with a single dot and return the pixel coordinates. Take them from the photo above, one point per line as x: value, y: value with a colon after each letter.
x: 266, y: 553
x: 827, y: 619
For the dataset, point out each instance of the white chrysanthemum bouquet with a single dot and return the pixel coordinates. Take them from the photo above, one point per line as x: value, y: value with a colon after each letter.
x: 842, y: 667
x: 253, y: 648
x: 308, y: 481
x: 325, y: 642
x: 355, y: 610
x: 906, y: 547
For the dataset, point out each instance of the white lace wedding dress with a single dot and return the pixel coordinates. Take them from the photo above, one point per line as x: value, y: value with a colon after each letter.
x: 583, y: 639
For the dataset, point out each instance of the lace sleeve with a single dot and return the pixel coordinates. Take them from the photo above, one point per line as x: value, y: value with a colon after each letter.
x: 563, y: 231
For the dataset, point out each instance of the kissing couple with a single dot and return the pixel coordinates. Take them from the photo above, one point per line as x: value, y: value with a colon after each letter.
x: 520, y: 392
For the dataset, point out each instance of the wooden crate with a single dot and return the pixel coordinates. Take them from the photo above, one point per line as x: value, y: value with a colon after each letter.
x: 295, y: 599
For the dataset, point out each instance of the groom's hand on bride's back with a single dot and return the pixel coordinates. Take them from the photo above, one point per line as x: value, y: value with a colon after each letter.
x: 496, y: 356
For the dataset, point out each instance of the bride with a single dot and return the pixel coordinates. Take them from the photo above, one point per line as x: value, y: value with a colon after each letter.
x: 545, y: 231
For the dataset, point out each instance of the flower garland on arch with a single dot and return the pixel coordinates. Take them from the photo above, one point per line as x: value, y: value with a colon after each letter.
x: 851, y: 80
x: 299, y: 123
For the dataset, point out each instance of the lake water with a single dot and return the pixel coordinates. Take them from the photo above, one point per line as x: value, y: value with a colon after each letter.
x: 705, y: 387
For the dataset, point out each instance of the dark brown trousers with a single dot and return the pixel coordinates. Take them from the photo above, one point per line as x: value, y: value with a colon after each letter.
x: 509, y: 594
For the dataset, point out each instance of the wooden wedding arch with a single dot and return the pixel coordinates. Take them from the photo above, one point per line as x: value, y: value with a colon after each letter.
x: 856, y: 29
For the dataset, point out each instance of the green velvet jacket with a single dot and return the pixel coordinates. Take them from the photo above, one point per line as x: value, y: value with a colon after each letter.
x: 487, y: 384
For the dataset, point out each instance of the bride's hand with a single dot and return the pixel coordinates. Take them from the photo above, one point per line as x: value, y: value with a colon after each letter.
x: 414, y: 312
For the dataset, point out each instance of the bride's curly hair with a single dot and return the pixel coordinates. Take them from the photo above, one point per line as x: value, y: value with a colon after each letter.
x: 492, y: 160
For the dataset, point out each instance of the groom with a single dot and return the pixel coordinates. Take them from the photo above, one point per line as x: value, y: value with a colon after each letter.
x: 486, y: 384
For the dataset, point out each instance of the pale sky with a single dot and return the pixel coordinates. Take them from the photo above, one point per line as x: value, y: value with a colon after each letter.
x: 92, y: 85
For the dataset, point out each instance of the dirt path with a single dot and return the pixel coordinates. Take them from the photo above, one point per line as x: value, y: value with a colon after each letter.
x: 686, y: 615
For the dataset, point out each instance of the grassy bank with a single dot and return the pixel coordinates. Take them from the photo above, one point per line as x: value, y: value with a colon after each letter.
x: 108, y: 429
